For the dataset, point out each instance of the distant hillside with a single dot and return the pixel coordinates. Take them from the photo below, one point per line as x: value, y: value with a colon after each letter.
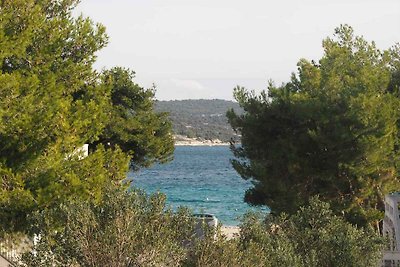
x: 202, y: 119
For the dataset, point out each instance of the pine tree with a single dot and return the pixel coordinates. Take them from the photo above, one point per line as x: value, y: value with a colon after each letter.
x: 331, y: 131
x: 51, y: 103
x: 133, y: 124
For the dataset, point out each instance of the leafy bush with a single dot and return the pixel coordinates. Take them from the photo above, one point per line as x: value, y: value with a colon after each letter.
x: 312, y: 237
x: 131, y: 229
x: 125, y: 229
x: 213, y: 250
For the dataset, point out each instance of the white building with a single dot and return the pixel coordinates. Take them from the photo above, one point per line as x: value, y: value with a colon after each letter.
x: 391, y: 230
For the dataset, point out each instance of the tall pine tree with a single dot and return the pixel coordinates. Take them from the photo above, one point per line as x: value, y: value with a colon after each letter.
x: 51, y: 103
x: 331, y: 131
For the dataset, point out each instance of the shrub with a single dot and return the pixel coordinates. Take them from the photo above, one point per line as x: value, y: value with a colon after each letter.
x: 314, y: 236
x: 132, y: 229
x: 125, y: 229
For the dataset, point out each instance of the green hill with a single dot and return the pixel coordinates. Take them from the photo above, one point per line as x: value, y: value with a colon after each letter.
x: 201, y: 119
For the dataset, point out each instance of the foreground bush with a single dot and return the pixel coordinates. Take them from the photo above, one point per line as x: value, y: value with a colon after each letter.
x: 312, y: 237
x: 126, y: 229
x: 131, y: 229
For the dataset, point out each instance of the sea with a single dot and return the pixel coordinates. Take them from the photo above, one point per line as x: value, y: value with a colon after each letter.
x: 201, y: 178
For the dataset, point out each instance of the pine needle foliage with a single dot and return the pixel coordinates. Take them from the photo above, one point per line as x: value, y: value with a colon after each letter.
x: 331, y: 131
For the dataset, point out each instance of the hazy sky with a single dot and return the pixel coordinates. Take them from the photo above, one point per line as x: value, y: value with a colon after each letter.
x: 204, y: 48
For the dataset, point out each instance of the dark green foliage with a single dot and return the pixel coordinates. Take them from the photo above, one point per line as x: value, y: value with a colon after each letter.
x: 331, y: 131
x: 133, y: 124
x: 394, y: 85
x: 201, y: 119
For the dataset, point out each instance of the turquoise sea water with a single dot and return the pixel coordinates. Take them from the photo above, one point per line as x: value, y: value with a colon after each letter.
x: 201, y: 178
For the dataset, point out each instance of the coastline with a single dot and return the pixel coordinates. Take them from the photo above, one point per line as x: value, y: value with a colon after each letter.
x: 200, y: 144
x: 186, y: 141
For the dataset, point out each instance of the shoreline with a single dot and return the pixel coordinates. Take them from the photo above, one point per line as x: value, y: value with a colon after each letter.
x: 186, y: 141
x: 200, y: 144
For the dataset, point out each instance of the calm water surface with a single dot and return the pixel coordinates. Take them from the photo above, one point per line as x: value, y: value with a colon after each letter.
x: 201, y: 178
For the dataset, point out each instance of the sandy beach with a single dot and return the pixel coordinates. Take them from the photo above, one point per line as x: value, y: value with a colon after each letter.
x: 230, y: 231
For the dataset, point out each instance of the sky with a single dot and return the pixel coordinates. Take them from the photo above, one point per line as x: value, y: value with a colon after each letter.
x: 192, y: 49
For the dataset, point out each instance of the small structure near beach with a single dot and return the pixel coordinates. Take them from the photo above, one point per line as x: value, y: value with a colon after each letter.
x: 203, y: 221
x: 391, y: 230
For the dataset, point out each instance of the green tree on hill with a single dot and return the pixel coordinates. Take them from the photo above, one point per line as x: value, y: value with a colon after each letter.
x: 331, y: 131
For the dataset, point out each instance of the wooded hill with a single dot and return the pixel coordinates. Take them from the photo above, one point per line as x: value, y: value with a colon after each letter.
x: 200, y: 118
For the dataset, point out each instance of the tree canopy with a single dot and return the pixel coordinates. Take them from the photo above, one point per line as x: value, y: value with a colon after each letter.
x: 52, y: 102
x: 331, y: 131
x: 133, y: 124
